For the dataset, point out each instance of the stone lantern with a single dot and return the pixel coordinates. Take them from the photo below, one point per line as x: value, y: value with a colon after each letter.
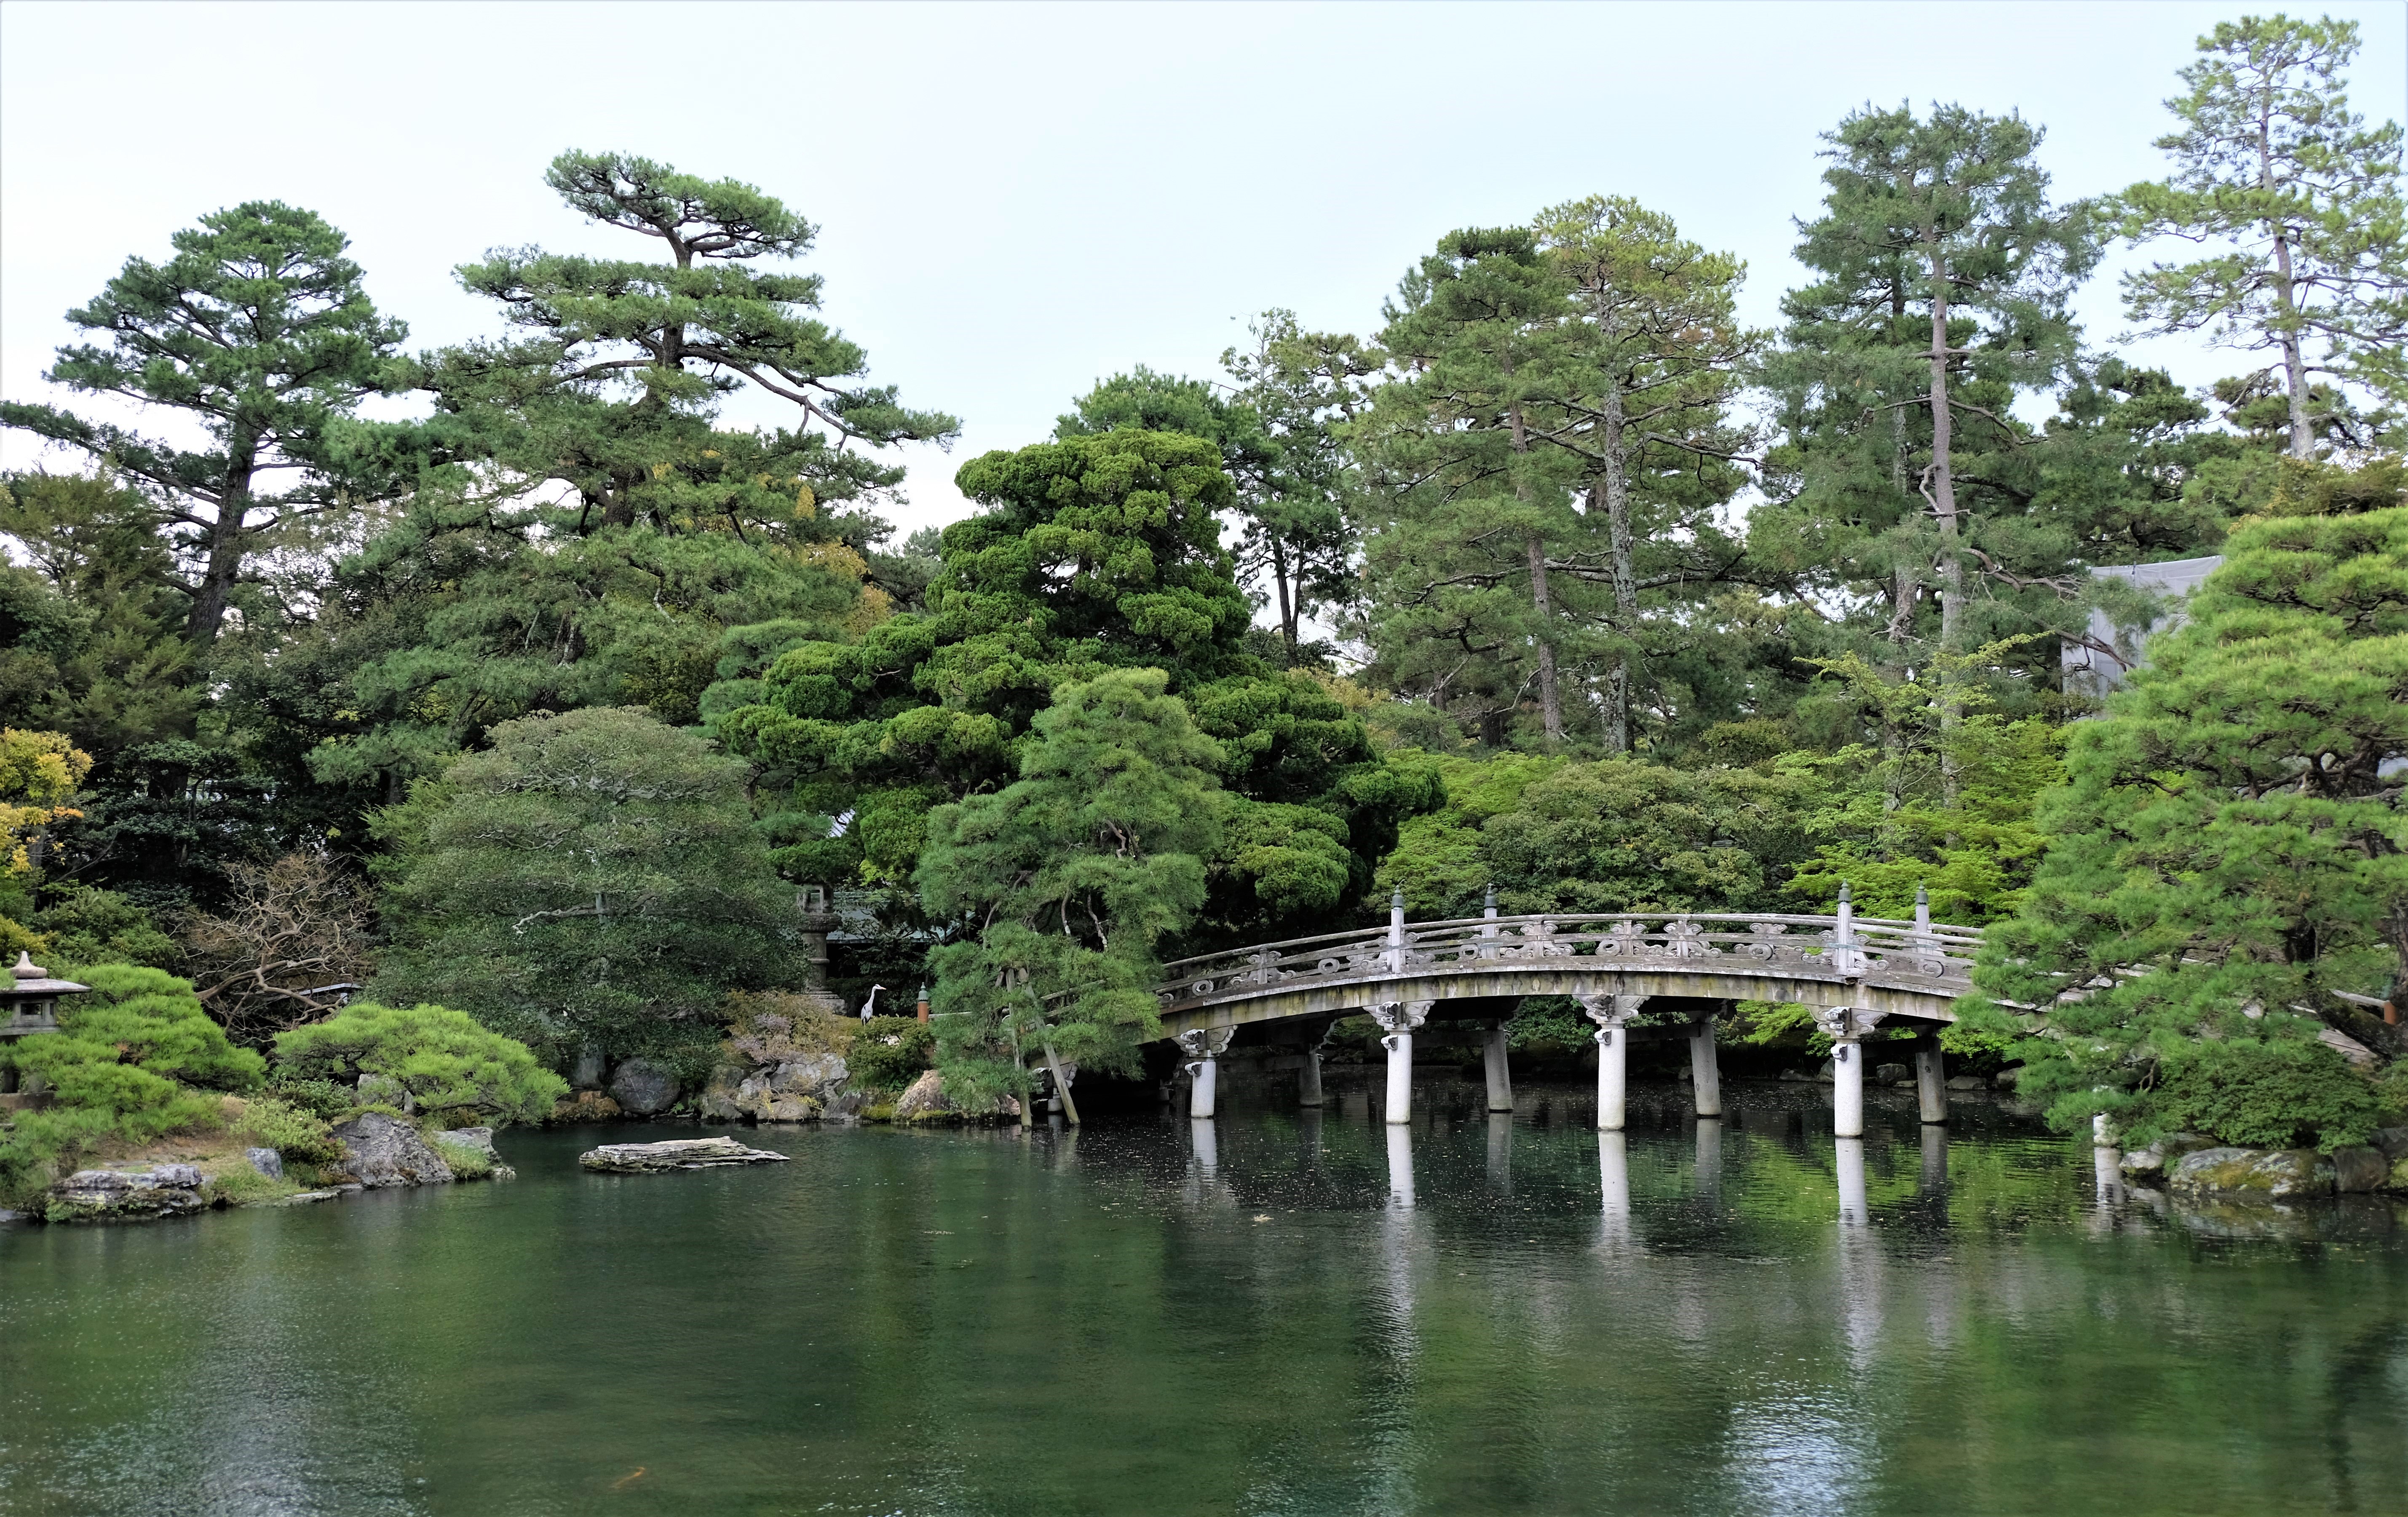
x: 29, y: 1004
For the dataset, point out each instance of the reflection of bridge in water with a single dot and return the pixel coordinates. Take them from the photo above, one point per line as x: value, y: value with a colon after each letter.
x: 1614, y: 1165
x: 1852, y: 973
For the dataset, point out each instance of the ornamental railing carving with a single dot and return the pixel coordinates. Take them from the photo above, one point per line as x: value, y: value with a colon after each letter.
x: 1906, y: 954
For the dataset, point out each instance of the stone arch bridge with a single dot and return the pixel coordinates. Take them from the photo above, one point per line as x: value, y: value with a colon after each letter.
x: 1856, y: 973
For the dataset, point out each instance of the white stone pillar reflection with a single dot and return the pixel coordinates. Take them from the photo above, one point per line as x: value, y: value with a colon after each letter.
x: 1613, y: 1171
x: 1397, y: 1020
x: 1400, y: 1168
x: 1710, y: 1156
x: 1851, y: 1165
x: 1206, y: 1135
x: 1500, y: 1152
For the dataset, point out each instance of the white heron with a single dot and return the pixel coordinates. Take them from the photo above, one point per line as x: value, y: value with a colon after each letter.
x: 869, y: 1007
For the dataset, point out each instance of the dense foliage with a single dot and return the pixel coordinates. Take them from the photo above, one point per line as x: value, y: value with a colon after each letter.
x: 440, y: 1060
x: 1564, y: 583
x: 591, y: 880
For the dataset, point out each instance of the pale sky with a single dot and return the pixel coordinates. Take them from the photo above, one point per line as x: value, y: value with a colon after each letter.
x: 1015, y: 200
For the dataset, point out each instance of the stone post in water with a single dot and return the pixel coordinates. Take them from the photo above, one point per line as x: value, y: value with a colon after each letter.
x: 1612, y: 1014
x: 1204, y: 1047
x: 1930, y: 1078
x: 1397, y: 1020
x: 1705, y: 1070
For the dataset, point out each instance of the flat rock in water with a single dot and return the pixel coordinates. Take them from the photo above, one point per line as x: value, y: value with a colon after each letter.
x: 677, y: 1154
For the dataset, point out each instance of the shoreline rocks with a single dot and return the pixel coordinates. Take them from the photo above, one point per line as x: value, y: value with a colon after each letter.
x: 675, y: 1154
x: 381, y: 1152
x: 2254, y: 1174
x: 161, y: 1190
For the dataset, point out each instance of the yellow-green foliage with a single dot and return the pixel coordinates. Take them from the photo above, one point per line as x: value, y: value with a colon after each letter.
x: 270, y: 1122
x: 441, y: 1058
x: 1437, y: 862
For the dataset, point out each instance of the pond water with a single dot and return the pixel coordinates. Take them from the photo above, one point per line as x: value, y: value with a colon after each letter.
x: 1267, y: 1316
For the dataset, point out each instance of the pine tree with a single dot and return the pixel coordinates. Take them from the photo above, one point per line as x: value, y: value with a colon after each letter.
x: 1070, y: 877
x: 259, y: 330
x: 2229, y: 854
x: 1469, y: 510
x: 620, y: 366
x: 1657, y: 361
x: 2272, y: 164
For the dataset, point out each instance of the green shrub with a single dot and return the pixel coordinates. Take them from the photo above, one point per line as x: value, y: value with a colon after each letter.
x: 2261, y: 1092
x: 87, y: 925
x: 448, y: 1065
x: 877, y: 1062
x: 467, y: 1163
x: 241, y: 1185
x: 123, y: 1065
x: 322, y: 1098
x: 291, y: 1131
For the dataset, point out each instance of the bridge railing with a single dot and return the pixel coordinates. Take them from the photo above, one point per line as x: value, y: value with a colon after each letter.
x: 1874, y: 947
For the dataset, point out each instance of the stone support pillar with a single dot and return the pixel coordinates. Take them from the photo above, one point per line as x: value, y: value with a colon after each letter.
x: 1847, y: 1026
x: 1930, y: 1078
x: 1705, y: 1069
x: 1500, y: 1074
x: 1308, y: 1077
x: 1612, y: 1014
x: 1204, y: 1047
x: 1397, y: 1020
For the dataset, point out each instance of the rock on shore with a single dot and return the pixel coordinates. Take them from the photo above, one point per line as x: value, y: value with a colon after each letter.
x: 161, y: 1190
x: 2263, y: 1174
x: 381, y: 1152
x: 677, y: 1154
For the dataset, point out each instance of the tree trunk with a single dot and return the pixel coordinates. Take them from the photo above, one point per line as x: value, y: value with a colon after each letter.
x: 1943, y: 508
x: 1289, y: 612
x: 1551, y: 707
x: 2295, y: 366
x: 1061, y: 1086
x: 1616, y: 487
x: 224, y: 567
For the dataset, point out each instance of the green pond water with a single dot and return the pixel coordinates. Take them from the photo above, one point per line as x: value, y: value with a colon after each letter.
x: 1265, y: 1317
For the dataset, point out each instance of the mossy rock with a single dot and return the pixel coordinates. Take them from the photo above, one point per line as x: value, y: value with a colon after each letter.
x: 2255, y: 1174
